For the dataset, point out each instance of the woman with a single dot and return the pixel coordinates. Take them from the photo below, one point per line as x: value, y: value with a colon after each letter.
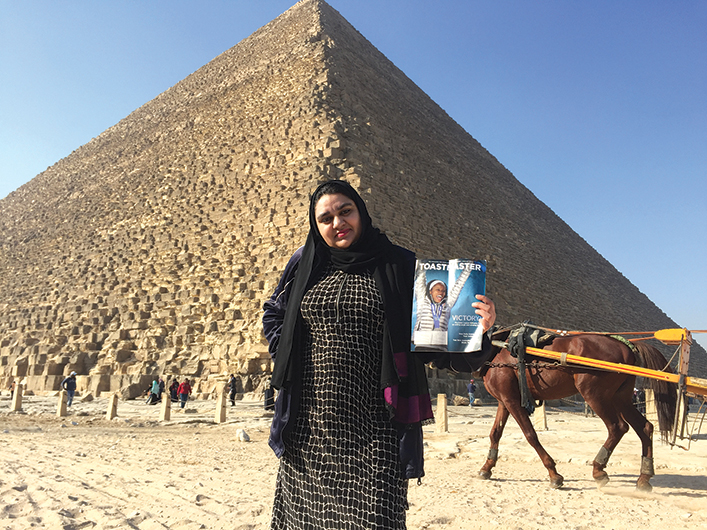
x: 154, y: 396
x: 352, y: 401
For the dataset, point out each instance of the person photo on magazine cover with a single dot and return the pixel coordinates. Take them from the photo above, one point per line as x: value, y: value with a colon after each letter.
x: 434, y: 305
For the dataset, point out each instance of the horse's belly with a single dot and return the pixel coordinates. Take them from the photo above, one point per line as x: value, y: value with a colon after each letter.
x: 551, y: 384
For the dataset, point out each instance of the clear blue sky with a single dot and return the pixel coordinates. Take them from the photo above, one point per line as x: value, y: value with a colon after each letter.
x: 599, y: 108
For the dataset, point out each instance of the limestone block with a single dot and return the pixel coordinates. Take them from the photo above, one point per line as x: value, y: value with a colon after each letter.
x: 50, y: 349
x: 121, y: 356
x: 185, y: 330
x: 131, y: 391
x: 35, y: 369
x: 233, y: 314
x: 19, y: 370
x: 99, y: 383
x: 135, y: 324
x: 101, y: 369
x: 151, y: 343
x: 157, y: 331
x: 53, y: 368
x: 117, y: 335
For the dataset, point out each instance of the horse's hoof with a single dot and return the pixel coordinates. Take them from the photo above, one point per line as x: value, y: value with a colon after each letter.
x: 602, y: 480
x: 556, y: 482
x: 484, y: 475
x: 644, y: 486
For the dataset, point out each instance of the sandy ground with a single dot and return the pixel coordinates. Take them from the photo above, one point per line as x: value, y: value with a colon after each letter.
x: 83, y: 471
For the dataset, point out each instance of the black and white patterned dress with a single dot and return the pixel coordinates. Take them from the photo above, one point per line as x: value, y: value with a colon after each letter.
x: 341, y: 468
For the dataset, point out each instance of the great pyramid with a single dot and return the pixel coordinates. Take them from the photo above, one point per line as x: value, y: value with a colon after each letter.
x: 151, y: 249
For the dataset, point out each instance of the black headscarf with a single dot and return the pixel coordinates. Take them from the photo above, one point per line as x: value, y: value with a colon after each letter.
x: 393, y: 272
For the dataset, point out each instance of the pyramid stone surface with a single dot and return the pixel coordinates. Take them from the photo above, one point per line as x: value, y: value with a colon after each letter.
x: 151, y: 249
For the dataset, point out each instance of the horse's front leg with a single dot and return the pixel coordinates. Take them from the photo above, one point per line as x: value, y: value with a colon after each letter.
x: 495, y: 436
x: 523, y: 419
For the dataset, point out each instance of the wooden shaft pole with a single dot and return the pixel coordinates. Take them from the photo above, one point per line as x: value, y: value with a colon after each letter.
x: 692, y: 384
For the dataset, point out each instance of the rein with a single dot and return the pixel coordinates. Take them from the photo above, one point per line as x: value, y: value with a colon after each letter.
x: 564, y: 332
x: 542, y: 365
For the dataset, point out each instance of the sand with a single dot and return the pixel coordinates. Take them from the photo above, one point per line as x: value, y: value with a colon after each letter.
x: 83, y: 471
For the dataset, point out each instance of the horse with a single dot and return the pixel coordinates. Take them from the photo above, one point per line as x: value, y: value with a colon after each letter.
x: 609, y: 394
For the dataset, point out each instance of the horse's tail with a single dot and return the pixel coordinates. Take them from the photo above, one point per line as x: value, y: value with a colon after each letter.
x: 665, y: 393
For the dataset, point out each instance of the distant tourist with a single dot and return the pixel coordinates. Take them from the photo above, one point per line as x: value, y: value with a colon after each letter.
x: 174, y: 390
x: 184, y: 391
x: 13, y: 385
x: 153, y: 398
x: 471, y: 389
x: 161, y: 383
x: 232, y: 384
x: 269, y: 398
x: 69, y: 384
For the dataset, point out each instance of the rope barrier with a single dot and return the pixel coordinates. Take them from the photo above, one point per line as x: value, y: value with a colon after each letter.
x: 700, y: 414
x: 641, y: 405
x: 579, y: 332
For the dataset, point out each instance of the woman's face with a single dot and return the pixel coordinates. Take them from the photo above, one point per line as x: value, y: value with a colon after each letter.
x: 338, y: 220
x: 438, y: 292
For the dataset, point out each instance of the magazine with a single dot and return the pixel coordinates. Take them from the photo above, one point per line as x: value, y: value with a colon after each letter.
x: 443, y: 319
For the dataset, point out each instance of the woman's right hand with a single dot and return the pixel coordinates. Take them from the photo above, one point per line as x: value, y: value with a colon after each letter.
x: 486, y: 309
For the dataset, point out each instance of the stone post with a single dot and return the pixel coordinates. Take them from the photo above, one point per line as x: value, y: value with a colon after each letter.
x: 17, y: 398
x: 220, y: 415
x: 166, y: 407
x: 61, y: 405
x: 112, y: 411
x: 682, y: 416
x: 651, y: 409
x: 540, y: 418
x: 441, y: 415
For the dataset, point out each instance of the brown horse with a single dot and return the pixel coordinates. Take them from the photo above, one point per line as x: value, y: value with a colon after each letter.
x: 609, y: 394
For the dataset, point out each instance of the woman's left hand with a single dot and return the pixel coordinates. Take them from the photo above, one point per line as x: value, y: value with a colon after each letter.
x: 486, y: 309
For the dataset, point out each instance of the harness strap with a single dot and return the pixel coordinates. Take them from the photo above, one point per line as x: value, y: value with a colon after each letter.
x: 516, y: 345
x: 622, y: 340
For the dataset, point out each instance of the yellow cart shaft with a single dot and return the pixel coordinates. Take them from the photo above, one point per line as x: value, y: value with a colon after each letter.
x: 694, y: 385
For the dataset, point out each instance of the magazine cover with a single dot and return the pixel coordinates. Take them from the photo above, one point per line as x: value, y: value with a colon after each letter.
x: 443, y: 319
